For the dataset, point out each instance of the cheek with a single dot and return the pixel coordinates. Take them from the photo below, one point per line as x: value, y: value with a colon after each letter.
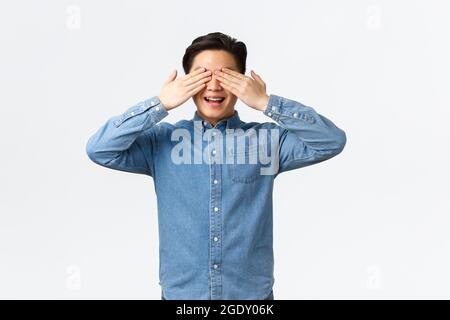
x: 231, y: 95
x: 197, y: 97
x: 233, y: 98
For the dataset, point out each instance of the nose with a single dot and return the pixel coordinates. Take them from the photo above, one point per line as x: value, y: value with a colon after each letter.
x: 214, y: 84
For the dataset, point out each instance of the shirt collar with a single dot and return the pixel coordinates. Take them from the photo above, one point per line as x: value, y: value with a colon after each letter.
x: 231, y: 122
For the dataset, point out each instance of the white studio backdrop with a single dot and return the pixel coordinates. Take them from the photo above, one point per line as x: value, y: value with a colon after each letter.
x: 372, y: 223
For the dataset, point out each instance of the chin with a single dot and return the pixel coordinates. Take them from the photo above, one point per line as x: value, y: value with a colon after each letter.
x: 215, y: 110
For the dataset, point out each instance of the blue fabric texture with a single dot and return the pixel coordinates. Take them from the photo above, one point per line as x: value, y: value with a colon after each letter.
x: 215, y: 216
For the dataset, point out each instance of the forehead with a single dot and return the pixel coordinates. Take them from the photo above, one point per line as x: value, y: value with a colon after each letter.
x: 214, y: 59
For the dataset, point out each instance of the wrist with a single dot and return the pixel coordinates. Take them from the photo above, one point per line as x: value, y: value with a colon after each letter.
x: 262, y: 104
x: 163, y: 104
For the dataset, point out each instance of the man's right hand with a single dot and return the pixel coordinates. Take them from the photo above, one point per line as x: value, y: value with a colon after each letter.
x: 175, y: 92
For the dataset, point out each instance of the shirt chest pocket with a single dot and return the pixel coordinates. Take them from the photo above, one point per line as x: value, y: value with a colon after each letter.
x: 245, y: 167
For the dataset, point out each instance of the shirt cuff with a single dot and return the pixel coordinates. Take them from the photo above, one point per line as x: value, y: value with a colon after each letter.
x: 273, y: 108
x: 282, y: 108
x: 158, y: 111
x: 152, y: 105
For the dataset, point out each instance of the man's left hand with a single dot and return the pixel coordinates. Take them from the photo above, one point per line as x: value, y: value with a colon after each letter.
x: 252, y: 91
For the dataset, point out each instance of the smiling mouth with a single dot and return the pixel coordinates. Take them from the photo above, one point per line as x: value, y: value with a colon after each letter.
x: 218, y: 100
x: 214, y: 102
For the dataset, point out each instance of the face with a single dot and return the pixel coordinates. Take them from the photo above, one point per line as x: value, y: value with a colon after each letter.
x: 214, y: 111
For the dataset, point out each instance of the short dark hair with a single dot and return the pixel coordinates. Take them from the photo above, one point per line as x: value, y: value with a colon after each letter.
x: 216, y: 41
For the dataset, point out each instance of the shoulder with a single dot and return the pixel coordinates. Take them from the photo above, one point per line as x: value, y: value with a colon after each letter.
x: 163, y: 130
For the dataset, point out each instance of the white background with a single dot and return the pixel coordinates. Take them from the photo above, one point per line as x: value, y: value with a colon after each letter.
x: 371, y: 223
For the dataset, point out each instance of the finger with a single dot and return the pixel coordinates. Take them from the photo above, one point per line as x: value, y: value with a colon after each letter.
x: 198, y: 83
x: 197, y: 89
x: 197, y: 77
x: 230, y: 88
x: 226, y: 77
x: 193, y: 73
x: 257, y: 77
x: 172, y: 77
x: 234, y: 73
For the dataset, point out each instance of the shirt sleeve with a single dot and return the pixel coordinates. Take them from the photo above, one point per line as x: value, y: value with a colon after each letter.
x: 306, y: 137
x: 126, y: 142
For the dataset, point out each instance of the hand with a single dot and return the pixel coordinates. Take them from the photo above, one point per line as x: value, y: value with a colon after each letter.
x: 175, y: 92
x: 252, y: 91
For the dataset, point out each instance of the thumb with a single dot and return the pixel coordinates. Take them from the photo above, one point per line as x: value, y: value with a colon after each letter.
x: 254, y: 75
x: 258, y: 78
x: 172, y: 76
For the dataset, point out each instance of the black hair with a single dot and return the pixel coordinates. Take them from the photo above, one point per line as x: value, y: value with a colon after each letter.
x: 216, y: 41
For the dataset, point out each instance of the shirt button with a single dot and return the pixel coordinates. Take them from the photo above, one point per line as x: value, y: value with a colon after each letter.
x: 215, y: 181
x: 157, y: 108
x: 214, y: 152
x: 132, y: 113
x: 296, y: 114
x: 274, y: 108
x: 213, y: 133
x: 216, y: 239
x: 216, y: 209
x: 216, y: 266
x: 152, y: 103
x: 269, y: 114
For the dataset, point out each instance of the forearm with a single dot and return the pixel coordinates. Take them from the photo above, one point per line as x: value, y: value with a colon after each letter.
x: 314, y: 130
x: 119, y: 134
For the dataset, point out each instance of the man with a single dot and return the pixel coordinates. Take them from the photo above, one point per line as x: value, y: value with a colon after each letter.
x: 214, y: 200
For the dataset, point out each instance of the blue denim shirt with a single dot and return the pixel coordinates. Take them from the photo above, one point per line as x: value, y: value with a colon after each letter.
x: 214, y: 219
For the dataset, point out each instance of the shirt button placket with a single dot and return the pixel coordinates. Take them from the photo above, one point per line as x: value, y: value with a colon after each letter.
x: 215, y: 227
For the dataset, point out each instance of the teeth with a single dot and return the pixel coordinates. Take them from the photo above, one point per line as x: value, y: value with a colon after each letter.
x: 214, y: 99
